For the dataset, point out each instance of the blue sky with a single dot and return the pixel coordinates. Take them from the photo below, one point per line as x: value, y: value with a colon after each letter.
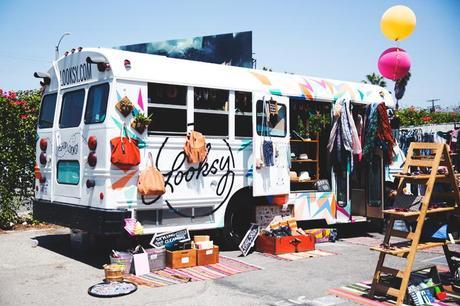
x: 333, y: 39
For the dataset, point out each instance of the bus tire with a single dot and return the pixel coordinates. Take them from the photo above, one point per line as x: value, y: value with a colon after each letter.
x: 239, y: 215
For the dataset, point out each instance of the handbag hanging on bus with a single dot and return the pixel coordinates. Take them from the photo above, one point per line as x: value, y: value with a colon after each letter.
x: 151, y: 181
x: 125, y: 152
x: 195, y: 147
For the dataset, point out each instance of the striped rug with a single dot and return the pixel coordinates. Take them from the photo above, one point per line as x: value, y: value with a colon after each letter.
x: 300, y: 255
x: 373, y: 241
x: 168, y: 276
x: 358, y: 293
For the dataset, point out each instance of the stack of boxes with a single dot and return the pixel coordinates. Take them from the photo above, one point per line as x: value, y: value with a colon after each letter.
x: 202, y: 252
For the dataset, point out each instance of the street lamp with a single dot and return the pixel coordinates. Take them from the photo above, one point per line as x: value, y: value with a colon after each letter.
x: 56, y: 54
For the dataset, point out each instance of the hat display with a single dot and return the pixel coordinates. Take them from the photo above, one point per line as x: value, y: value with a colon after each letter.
x: 303, y: 156
x: 304, y: 176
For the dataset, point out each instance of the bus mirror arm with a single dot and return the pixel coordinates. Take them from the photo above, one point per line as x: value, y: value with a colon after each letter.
x: 43, y: 75
x: 100, y: 61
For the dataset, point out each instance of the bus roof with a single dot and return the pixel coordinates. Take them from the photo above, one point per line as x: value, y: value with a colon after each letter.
x: 161, y: 69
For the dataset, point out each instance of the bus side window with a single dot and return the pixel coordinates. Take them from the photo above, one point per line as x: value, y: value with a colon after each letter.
x: 96, y: 106
x: 211, y: 111
x: 243, y: 114
x: 47, y: 110
x: 168, y: 108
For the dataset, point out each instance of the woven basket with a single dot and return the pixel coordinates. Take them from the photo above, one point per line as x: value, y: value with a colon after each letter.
x: 113, y: 272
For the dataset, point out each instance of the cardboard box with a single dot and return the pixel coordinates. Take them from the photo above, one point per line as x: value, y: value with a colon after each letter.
x: 157, y: 259
x: 204, y: 245
x: 200, y: 238
x: 282, y: 245
x: 181, y: 259
x: 207, y: 256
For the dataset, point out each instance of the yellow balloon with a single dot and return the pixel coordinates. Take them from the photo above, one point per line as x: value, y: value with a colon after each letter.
x: 398, y: 22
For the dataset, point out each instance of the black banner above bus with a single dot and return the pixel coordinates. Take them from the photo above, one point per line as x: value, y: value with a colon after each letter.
x: 233, y: 49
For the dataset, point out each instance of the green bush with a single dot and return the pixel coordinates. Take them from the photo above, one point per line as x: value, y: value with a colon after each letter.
x: 19, y: 112
x: 411, y: 116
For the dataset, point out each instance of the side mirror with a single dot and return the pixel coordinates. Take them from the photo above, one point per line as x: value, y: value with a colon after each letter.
x: 43, y: 75
x: 100, y: 61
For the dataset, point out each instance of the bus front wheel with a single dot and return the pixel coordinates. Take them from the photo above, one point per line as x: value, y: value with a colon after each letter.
x: 239, y: 215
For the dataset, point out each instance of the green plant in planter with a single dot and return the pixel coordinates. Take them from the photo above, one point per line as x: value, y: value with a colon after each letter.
x: 125, y: 106
x: 141, y: 122
x: 317, y: 122
x: 301, y: 126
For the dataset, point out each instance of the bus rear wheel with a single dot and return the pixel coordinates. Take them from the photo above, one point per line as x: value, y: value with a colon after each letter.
x: 239, y: 215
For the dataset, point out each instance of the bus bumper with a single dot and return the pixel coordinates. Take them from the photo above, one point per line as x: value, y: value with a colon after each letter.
x: 90, y: 219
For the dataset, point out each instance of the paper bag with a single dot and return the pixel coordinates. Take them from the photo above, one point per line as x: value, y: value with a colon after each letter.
x: 141, y: 263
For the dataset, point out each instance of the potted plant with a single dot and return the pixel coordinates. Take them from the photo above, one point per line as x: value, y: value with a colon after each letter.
x: 125, y: 106
x: 317, y: 122
x: 141, y: 122
x: 302, y: 129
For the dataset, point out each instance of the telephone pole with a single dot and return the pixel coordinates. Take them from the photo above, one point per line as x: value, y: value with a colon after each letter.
x: 432, y: 103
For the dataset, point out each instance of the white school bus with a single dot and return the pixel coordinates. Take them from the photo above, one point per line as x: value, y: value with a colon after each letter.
x: 77, y: 186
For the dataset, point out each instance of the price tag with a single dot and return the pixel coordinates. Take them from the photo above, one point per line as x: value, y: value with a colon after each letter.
x: 209, y: 252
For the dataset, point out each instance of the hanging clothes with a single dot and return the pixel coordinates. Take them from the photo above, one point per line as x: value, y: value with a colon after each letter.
x: 343, y: 140
x: 378, y: 134
x: 370, y: 130
x: 385, y: 134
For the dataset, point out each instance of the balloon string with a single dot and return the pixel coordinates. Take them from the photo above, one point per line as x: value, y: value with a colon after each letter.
x: 397, y: 64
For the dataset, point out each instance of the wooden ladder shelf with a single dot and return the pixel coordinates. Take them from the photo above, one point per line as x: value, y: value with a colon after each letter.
x: 438, y: 155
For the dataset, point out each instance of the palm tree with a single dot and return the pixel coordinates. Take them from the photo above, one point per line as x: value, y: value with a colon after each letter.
x: 400, y: 88
x: 375, y: 79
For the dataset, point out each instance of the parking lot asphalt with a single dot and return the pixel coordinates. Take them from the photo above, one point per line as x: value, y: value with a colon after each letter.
x: 39, y: 267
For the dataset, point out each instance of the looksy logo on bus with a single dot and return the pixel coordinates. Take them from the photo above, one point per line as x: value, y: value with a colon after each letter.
x: 75, y: 74
x: 221, y: 168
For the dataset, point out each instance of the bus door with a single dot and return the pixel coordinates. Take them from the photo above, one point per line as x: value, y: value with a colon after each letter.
x: 375, y: 187
x: 271, y: 153
x: 68, y: 144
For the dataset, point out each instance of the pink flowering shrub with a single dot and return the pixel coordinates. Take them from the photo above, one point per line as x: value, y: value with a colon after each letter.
x: 18, y: 123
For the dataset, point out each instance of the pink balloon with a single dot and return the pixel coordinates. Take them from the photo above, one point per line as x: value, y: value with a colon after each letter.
x: 394, y: 63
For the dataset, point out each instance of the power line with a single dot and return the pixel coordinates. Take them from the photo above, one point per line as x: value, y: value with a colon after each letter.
x: 25, y: 58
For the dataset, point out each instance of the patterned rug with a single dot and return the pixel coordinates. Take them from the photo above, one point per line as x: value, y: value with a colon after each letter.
x: 300, y: 255
x: 358, y: 293
x: 168, y: 276
x: 372, y: 241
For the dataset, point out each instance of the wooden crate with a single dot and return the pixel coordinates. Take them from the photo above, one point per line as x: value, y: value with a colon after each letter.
x: 282, y: 245
x: 207, y: 256
x: 181, y: 259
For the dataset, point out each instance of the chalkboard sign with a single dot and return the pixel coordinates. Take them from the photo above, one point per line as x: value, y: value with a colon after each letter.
x: 248, y: 241
x: 323, y: 185
x: 160, y: 240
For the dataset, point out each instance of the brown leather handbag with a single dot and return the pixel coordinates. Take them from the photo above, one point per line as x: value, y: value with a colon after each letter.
x: 125, y: 152
x: 195, y: 147
x: 151, y: 181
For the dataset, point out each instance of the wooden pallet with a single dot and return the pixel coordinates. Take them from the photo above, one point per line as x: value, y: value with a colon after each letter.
x: 436, y: 155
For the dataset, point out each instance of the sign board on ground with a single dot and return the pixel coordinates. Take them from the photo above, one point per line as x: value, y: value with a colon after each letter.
x: 160, y: 240
x: 248, y: 241
x: 323, y: 185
